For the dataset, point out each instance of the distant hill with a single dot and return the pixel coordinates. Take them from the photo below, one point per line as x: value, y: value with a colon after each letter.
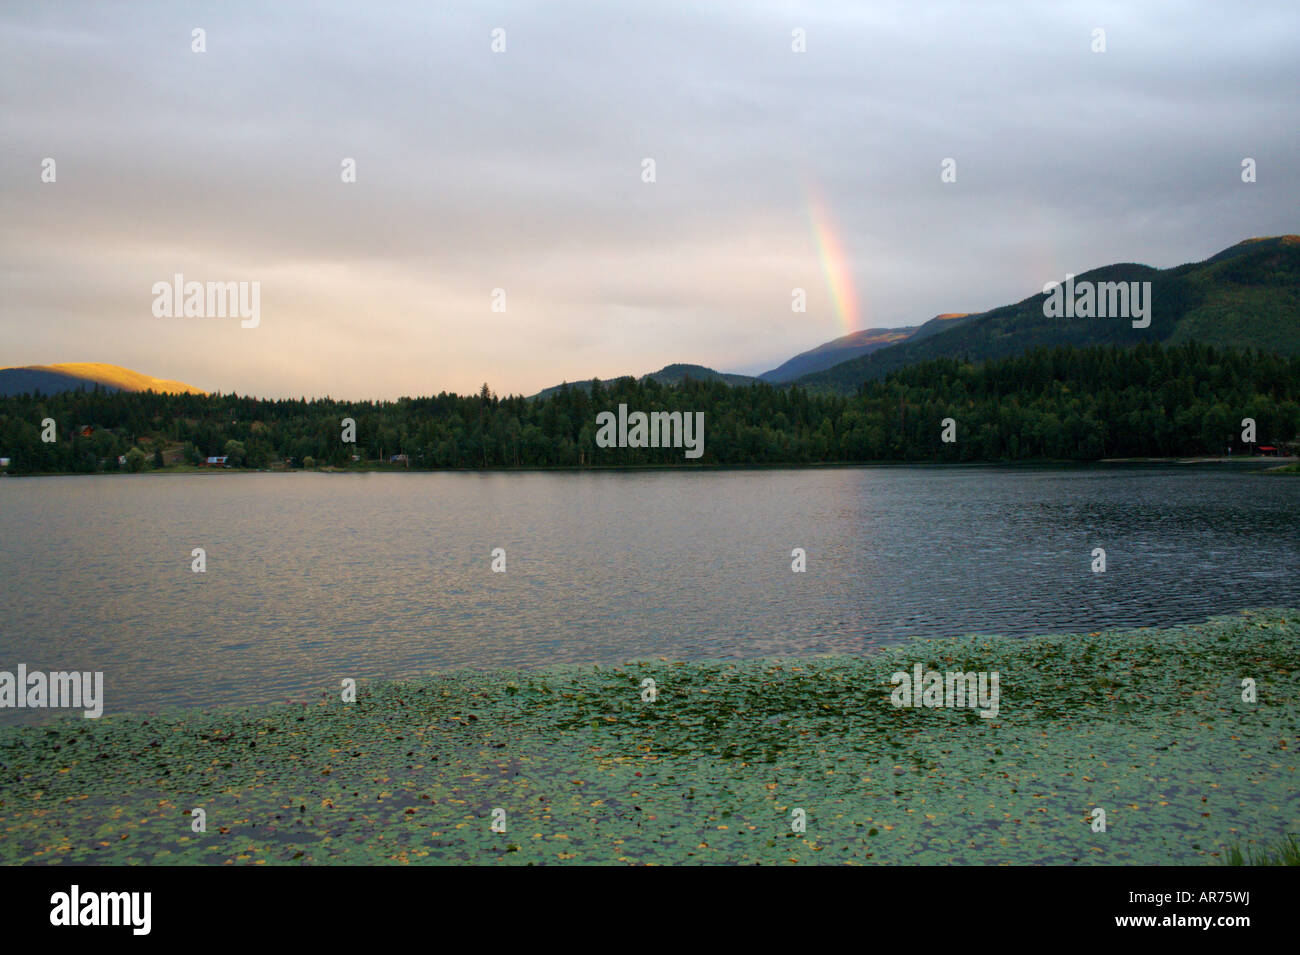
x: 676, y: 374
x: 84, y: 376
x: 833, y: 352
x: 1247, y: 296
x: 668, y: 375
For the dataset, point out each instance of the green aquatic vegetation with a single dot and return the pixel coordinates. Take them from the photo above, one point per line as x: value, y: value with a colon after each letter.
x: 1148, y: 725
x: 1286, y: 852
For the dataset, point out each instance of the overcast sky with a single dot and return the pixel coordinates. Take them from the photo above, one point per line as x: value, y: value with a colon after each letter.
x: 522, y: 170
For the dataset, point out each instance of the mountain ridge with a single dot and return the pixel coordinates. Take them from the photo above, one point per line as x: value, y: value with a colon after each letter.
x: 831, y: 353
x: 72, y: 376
x: 1246, y: 296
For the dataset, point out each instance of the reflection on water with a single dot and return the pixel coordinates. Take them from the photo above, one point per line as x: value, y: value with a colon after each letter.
x: 312, y: 578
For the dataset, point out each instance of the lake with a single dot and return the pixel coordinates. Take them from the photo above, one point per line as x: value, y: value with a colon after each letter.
x: 312, y: 578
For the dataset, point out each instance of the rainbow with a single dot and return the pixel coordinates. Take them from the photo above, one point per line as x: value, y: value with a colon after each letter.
x: 835, y: 261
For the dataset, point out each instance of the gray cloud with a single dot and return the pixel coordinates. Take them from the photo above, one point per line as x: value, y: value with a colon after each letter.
x: 522, y: 171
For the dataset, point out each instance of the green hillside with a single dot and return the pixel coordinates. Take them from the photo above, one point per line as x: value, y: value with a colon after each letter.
x: 1247, y: 296
x: 1250, y: 297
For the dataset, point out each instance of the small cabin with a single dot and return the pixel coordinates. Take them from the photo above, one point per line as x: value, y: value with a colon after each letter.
x: 217, y: 462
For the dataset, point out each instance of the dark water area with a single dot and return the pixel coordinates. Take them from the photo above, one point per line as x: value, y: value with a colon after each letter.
x: 313, y: 578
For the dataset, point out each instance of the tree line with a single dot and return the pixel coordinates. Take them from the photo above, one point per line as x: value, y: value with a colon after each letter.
x: 1060, y: 403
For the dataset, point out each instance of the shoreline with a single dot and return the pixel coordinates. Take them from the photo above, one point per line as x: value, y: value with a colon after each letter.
x: 1282, y: 464
x: 1147, y: 724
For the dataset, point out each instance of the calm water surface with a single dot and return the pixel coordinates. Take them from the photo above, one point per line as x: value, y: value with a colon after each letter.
x: 315, y: 577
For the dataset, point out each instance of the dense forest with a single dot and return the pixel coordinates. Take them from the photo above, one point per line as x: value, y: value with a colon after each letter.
x: 1049, y: 403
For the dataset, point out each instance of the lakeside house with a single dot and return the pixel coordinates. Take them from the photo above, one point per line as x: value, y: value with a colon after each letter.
x: 399, y: 459
x: 4, y: 462
x: 216, y: 462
